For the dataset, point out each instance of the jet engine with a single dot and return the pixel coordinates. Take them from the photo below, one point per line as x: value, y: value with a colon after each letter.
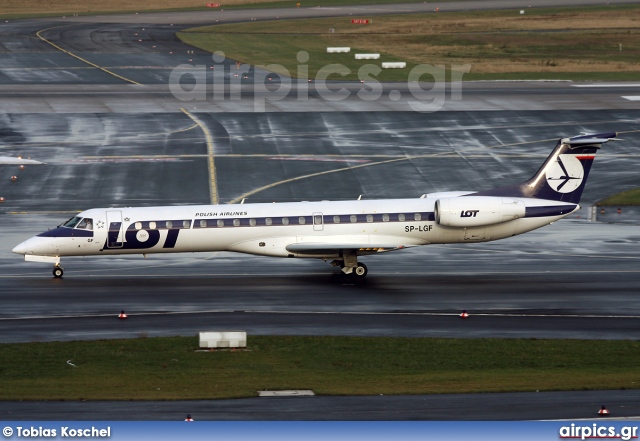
x: 477, y: 211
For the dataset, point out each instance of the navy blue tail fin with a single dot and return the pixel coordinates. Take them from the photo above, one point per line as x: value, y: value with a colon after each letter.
x: 563, y: 175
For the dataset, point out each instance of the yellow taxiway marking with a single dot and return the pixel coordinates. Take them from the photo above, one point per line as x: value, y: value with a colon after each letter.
x: 404, y: 158
x: 80, y: 58
x: 213, y: 183
x: 370, y: 164
x: 312, y: 175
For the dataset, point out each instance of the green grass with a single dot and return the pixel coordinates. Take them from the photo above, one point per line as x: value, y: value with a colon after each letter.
x: 561, y: 44
x: 626, y: 198
x: 277, y: 53
x: 169, y: 368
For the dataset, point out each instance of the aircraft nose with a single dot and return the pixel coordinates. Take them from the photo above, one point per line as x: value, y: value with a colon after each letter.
x: 36, y: 245
x: 21, y: 248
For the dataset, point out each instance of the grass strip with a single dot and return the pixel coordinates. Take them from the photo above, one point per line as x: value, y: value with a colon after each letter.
x: 171, y: 369
x: 625, y: 198
x: 586, y: 43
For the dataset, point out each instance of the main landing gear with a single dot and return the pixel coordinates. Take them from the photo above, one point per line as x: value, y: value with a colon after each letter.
x: 358, y: 271
x: 58, y: 272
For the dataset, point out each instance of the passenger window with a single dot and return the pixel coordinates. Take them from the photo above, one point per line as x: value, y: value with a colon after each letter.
x: 85, y: 224
x: 220, y: 223
x: 138, y: 225
x: 385, y: 218
x: 268, y: 221
x: 369, y: 217
x: 169, y: 225
x: 152, y: 225
x: 417, y: 216
x: 236, y: 222
x: 353, y: 218
x: 317, y: 219
x: 252, y: 222
x: 285, y: 221
x: 301, y: 220
x: 336, y: 219
x: 401, y: 217
x: 203, y: 223
x: 186, y: 224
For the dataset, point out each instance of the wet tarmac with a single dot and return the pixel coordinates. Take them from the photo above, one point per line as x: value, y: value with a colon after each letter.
x: 107, y: 141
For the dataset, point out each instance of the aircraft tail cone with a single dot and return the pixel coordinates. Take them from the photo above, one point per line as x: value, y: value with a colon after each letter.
x: 122, y: 315
x: 603, y: 411
x: 464, y: 314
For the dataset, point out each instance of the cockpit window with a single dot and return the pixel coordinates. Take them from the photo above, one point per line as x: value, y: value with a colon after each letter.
x: 85, y: 224
x: 72, y: 222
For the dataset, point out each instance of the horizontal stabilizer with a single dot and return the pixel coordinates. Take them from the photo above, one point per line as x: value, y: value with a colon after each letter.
x: 586, y: 141
x: 590, y: 138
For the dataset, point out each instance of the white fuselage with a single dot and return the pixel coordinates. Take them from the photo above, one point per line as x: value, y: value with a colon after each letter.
x: 284, y: 229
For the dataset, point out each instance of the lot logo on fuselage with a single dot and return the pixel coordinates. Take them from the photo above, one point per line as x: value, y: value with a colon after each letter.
x: 469, y: 213
x: 566, y: 174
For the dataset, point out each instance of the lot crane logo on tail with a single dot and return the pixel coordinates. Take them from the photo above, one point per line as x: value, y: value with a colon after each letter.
x: 566, y: 174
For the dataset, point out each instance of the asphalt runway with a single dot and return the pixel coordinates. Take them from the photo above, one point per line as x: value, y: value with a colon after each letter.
x: 583, y: 405
x: 107, y: 141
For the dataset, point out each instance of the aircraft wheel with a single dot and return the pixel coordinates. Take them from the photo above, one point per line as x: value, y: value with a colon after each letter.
x: 360, y: 271
x: 58, y: 272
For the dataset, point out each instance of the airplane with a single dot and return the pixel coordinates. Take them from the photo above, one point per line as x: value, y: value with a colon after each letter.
x: 339, y: 231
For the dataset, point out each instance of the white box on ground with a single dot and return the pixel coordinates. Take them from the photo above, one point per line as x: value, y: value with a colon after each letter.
x: 337, y: 50
x: 286, y: 393
x: 394, y: 65
x: 367, y: 56
x: 223, y: 339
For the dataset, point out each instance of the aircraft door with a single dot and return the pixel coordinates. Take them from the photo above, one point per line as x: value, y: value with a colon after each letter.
x: 318, y: 222
x: 115, y: 233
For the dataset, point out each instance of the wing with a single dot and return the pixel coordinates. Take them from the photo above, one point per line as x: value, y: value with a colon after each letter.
x: 333, y: 249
